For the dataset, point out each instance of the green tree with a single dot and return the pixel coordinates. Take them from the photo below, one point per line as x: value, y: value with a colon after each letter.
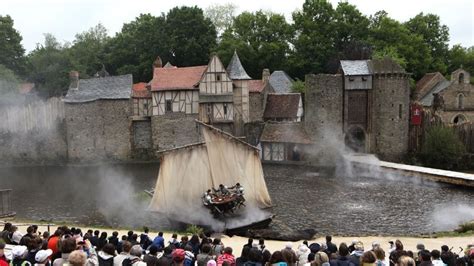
x: 351, y: 26
x: 221, y: 15
x: 260, y: 38
x: 87, y: 52
x: 459, y: 56
x: 8, y: 81
x: 391, y: 38
x: 442, y: 148
x: 435, y: 36
x: 298, y: 86
x: 136, y: 46
x: 190, y: 36
x: 314, y: 43
x: 11, y: 50
x: 49, y: 67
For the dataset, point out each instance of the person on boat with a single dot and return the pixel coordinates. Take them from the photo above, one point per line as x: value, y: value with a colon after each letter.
x: 239, y: 189
x: 222, y: 190
x: 207, y: 198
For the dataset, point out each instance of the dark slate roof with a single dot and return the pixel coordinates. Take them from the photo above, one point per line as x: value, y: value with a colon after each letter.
x: 282, y: 105
x: 106, y: 88
x: 289, y: 132
x: 428, y: 99
x: 385, y: 66
x: 355, y: 67
x: 235, y: 69
x: 280, y: 81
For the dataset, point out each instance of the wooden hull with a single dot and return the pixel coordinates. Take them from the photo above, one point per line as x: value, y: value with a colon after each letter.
x: 240, y: 230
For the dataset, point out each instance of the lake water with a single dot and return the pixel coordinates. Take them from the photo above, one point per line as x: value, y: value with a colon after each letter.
x: 111, y: 195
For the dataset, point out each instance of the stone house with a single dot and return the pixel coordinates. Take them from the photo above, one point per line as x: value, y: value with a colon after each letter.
x: 286, y: 107
x: 284, y: 142
x: 365, y: 106
x: 453, y: 100
x: 97, y: 112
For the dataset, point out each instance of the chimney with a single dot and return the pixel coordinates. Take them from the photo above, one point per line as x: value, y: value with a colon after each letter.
x: 265, y: 75
x: 157, y: 63
x: 73, y: 79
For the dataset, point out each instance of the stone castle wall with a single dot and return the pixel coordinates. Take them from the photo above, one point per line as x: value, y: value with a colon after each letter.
x: 256, y: 104
x: 173, y: 130
x: 142, y: 143
x: 98, y: 130
x: 323, y: 115
x: 390, y: 117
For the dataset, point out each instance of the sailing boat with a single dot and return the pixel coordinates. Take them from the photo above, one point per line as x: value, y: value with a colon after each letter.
x: 187, y: 172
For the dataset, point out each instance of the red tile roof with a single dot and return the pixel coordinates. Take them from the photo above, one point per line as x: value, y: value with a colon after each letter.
x: 180, y: 78
x: 139, y: 90
x: 282, y: 105
x: 256, y: 85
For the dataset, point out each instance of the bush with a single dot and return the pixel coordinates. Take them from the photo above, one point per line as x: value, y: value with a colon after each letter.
x: 194, y: 230
x: 442, y: 148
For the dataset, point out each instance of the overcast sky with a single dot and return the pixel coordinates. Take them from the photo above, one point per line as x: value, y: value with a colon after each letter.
x: 65, y: 18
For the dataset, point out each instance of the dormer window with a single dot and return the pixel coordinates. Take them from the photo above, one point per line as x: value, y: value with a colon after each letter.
x: 461, y: 78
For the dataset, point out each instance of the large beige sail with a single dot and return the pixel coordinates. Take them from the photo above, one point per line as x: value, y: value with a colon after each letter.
x: 185, y: 174
x: 232, y: 162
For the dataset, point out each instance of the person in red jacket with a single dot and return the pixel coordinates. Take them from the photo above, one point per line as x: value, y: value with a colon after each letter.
x: 226, y: 257
x: 2, y: 253
x: 53, y: 241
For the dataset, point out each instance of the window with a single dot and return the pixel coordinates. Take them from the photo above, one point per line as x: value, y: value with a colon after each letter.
x: 169, y: 106
x: 461, y: 78
x: 400, y: 111
x: 225, y: 110
x: 460, y: 101
x: 218, y: 77
x: 145, y: 108
x: 364, y: 78
x: 351, y: 79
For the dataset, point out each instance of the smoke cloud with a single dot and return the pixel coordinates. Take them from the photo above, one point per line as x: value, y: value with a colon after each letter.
x: 450, y: 216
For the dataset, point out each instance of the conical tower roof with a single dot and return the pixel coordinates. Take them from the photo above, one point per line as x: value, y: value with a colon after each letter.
x: 235, y: 69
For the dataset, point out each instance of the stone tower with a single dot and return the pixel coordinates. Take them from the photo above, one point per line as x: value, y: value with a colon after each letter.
x: 390, y: 109
x: 323, y: 114
x: 240, y: 79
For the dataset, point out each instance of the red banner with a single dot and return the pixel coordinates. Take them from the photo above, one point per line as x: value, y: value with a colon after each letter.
x: 416, y: 114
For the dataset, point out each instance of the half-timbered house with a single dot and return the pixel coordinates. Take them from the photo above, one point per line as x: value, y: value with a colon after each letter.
x: 141, y: 100
x: 216, y: 96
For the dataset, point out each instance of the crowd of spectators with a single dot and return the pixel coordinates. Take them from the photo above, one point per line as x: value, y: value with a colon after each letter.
x: 72, y: 246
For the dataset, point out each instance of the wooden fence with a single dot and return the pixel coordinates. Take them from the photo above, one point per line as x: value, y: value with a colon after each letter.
x: 418, y: 133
